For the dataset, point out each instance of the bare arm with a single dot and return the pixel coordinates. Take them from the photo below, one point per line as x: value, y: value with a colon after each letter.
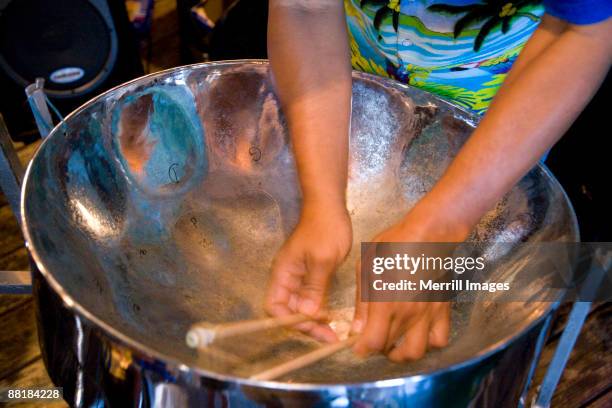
x: 557, y: 74
x: 308, y: 50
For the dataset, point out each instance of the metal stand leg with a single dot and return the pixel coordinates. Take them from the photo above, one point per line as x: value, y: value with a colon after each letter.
x: 601, y: 262
x: 38, y: 103
x: 11, y: 177
x: 576, y: 319
x: 11, y: 171
x: 536, y: 358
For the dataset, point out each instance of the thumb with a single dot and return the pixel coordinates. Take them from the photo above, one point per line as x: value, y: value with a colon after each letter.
x: 312, y: 299
x: 361, y: 308
x: 314, y: 288
x: 286, y: 278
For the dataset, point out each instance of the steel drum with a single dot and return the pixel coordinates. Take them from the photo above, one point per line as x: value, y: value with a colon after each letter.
x: 162, y: 203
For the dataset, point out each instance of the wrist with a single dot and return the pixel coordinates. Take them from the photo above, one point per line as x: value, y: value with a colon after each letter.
x: 331, y: 201
x: 434, y: 222
x: 325, y: 211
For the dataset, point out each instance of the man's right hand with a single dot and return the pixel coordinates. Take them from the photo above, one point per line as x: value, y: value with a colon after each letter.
x: 303, y: 267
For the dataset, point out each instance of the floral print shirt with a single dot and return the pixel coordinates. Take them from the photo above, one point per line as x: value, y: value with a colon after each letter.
x: 460, y: 50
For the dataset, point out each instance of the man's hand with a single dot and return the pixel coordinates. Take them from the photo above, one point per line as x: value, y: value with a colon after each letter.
x: 406, y: 330
x: 305, y: 264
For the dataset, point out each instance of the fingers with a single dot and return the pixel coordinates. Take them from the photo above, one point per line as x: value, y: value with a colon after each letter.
x: 404, y: 331
x: 319, y: 331
x: 396, y: 332
x: 361, y: 308
x: 375, y: 333
x: 314, y: 286
x: 414, y: 343
x: 285, y: 280
x: 439, y: 330
x: 311, y: 299
x: 361, y: 316
x: 300, y: 286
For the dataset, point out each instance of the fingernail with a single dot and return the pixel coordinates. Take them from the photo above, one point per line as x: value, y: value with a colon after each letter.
x: 308, y: 307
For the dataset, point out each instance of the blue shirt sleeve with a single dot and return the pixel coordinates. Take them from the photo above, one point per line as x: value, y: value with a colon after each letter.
x: 579, y: 11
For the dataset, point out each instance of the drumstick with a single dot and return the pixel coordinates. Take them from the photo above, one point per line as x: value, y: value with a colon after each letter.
x: 304, y: 360
x: 203, y: 334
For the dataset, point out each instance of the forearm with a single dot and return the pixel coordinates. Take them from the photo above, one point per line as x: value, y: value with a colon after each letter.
x: 548, y: 31
x: 527, y: 117
x: 308, y: 51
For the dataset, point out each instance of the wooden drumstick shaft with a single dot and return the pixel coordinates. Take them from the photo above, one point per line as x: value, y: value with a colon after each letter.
x: 304, y: 361
x: 203, y: 334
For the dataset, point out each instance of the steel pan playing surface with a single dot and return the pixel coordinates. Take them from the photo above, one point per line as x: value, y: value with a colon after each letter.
x: 144, y: 244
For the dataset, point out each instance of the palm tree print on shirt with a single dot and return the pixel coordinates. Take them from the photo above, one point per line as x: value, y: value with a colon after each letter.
x: 493, y: 12
x: 386, y: 8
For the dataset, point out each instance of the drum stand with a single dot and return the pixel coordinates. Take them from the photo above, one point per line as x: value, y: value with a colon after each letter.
x: 19, y: 282
x: 11, y: 178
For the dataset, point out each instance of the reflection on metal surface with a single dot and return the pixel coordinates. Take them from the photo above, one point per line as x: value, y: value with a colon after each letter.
x: 151, y: 256
x: 167, y: 395
x: 90, y: 219
x: 79, y: 388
